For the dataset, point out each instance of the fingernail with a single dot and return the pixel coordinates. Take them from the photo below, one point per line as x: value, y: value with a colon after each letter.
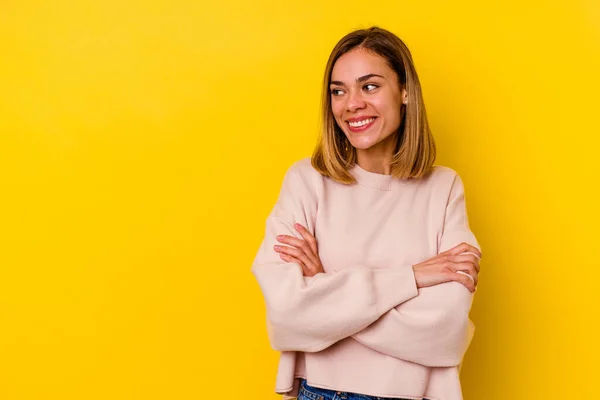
x: 298, y: 226
x: 279, y: 237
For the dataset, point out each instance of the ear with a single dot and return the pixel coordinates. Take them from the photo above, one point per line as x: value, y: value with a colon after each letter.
x: 404, y: 97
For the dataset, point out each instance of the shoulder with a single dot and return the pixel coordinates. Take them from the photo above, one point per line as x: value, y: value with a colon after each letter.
x: 443, y: 173
x: 302, y: 167
x: 444, y: 176
x: 304, y: 171
x: 302, y: 178
x: 443, y: 180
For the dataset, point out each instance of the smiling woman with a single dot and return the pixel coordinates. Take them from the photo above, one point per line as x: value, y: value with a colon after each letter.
x: 368, y: 265
x: 366, y: 108
x: 373, y: 108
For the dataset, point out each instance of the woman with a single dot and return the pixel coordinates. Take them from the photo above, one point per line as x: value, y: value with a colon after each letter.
x: 379, y: 308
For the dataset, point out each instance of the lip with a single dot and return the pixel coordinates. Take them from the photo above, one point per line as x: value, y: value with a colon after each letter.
x: 360, y: 118
x: 360, y: 128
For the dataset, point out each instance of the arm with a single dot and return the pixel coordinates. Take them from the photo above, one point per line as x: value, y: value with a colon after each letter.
x: 432, y: 329
x: 310, y: 314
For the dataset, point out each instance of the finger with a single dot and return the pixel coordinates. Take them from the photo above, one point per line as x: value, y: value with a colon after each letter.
x: 470, y: 271
x: 298, y: 254
x: 464, y: 247
x: 465, y: 279
x: 290, y: 259
x: 466, y: 268
x: 290, y: 251
x: 308, y: 237
x: 468, y: 258
x: 440, y: 258
x: 299, y: 244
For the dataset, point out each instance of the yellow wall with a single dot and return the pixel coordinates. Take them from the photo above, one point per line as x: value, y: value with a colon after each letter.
x: 142, y: 145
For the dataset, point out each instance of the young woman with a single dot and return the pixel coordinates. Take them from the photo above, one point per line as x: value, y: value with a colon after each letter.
x: 368, y: 265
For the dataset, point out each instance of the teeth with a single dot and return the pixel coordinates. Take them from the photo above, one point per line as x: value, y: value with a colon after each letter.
x: 361, y: 123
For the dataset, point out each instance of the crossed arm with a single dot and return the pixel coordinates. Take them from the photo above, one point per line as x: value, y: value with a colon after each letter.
x: 379, y: 307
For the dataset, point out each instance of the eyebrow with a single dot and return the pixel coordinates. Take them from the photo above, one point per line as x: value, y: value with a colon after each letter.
x: 359, y: 80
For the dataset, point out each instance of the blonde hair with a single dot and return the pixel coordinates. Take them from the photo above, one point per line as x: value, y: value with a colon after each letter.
x: 415, y: 147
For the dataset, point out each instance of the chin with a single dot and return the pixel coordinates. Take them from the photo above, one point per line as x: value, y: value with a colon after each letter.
x: 364, y: 144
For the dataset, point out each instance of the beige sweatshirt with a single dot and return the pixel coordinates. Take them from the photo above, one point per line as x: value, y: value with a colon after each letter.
x: 363, y: 326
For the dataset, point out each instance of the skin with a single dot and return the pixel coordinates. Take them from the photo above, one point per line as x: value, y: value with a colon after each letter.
x: 364, y: 85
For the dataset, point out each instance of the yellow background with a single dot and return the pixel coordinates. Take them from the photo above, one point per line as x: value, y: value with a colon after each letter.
x: 142, y: 145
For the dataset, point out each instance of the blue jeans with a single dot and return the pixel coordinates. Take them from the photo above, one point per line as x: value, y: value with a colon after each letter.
x: 312, y: 393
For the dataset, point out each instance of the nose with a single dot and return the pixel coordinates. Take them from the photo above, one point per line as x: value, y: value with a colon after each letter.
x: 355, y: 101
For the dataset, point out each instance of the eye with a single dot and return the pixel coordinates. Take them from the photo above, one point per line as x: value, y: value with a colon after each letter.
x: 369, y: 87
x: 337, y: 92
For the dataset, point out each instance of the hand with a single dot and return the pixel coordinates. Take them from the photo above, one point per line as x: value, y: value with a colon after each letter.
x: 450, y: 265
x: 303, y: 252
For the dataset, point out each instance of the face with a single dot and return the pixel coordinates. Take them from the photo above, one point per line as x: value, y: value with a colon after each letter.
x: 366, y: 101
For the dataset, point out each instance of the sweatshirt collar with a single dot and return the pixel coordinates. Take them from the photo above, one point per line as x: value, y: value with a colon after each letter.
x: 375, y: 180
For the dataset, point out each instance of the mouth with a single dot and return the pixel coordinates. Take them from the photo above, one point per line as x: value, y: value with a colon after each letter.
x: 360, y: 125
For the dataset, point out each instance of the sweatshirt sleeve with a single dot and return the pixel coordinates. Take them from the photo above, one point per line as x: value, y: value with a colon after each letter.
x: 311, y: 313
x: 434, y: 328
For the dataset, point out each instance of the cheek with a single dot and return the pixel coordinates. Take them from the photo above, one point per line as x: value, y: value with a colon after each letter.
x: 389, y: 108
x: 336, y: 109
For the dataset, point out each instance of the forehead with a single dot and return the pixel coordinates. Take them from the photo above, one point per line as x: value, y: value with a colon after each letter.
x: 360, y: 62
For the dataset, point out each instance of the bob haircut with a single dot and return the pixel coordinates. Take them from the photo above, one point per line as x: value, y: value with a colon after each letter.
x: 415, y: 151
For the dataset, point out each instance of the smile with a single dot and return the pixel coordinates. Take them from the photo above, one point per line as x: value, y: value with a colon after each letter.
x: 360, y: 125
x: 356, y: 124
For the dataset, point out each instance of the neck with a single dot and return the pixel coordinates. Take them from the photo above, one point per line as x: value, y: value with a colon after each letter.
x: 377, y: 158
x: 376, y: 180
x: 378, y: 166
